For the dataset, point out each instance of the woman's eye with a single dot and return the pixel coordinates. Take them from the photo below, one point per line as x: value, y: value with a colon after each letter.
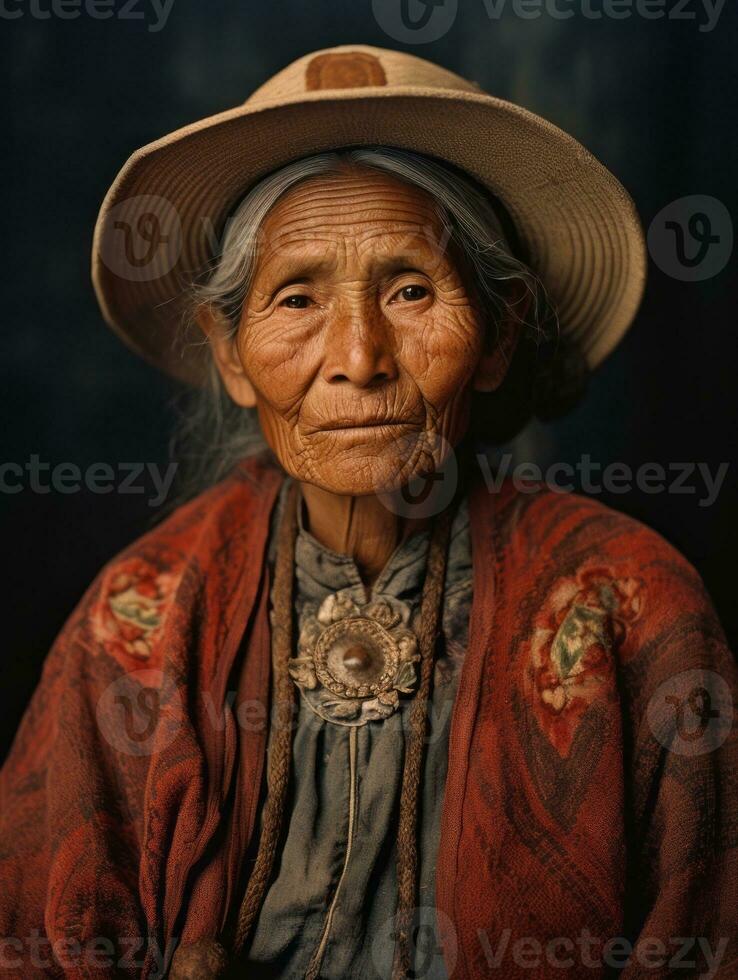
x: 297, y: 302
x: 411, y: 294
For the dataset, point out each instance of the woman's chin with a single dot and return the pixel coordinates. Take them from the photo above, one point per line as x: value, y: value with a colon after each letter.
x: 390, y: 478
x: 363, y: 478
x: 379, y: 464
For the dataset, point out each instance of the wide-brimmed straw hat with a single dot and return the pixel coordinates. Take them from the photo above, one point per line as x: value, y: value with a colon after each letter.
x: 161, y: 221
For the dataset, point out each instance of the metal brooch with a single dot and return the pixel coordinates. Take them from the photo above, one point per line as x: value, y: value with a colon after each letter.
x: 355, y: 660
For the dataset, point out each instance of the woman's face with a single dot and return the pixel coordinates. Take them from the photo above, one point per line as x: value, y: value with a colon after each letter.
x: 359, y: 343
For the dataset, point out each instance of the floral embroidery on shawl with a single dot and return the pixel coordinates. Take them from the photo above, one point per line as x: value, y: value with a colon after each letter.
x: 132, y: 612
x: 583, y: 621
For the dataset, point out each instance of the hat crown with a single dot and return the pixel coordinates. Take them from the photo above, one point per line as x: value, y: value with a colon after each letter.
x: 356, y: 66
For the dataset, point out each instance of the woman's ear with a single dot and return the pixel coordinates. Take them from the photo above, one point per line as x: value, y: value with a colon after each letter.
x: 498, y: 351
x: 226, y: 357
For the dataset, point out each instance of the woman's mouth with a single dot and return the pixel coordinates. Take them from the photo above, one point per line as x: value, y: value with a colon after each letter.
x: 352, y: 425
x: 348, y: 425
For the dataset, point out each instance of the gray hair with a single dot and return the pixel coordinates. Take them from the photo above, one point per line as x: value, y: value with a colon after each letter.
x: 215, y: 433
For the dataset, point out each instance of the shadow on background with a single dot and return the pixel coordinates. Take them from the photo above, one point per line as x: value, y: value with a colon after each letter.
x: 654, y: 100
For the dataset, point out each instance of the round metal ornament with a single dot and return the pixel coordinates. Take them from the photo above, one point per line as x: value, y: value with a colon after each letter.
x: 354, y: 660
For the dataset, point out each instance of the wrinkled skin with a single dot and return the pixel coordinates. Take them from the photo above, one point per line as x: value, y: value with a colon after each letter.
x: 359, y: 343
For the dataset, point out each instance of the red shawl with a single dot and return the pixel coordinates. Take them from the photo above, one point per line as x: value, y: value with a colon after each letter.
x: 592, y: 791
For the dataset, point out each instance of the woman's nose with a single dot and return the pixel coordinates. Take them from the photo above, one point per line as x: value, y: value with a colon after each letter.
x: 359, y: 351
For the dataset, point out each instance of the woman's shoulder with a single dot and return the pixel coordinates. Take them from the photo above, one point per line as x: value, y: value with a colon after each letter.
x: 214, y: 535
x: 554, y: 549
x: 535, y: 520
x: 582, y: 593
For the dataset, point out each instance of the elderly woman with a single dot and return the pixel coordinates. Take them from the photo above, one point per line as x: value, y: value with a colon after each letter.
x: 354, y: 711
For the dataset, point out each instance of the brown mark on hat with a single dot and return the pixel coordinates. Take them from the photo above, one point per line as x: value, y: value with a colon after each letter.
x: 345, y: 69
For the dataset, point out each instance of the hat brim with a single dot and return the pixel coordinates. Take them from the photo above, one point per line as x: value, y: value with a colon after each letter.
x: 162, y: 218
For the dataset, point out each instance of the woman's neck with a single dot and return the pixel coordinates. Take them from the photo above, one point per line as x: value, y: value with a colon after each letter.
x: 363, y: 527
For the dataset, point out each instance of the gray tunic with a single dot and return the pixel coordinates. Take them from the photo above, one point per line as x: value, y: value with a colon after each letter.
x: 333, y: 893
